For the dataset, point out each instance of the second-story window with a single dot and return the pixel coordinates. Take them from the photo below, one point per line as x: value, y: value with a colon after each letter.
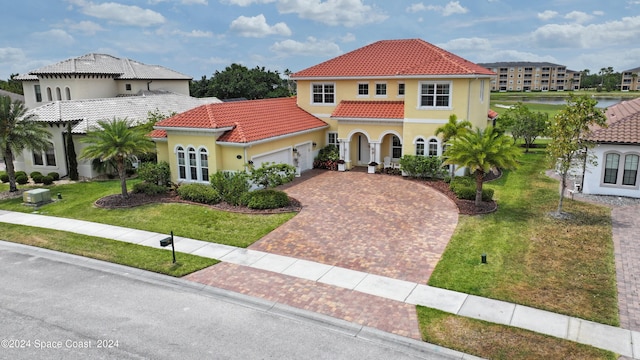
x: 323, y: 93
x: 381, y: 89
x: 400, y: 89
x: 36, y: 88
x: 435, y: 94
x: 363, y: 89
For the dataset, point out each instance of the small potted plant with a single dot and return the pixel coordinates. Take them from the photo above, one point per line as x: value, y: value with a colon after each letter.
x: 340, y: 165
x: 372, y: 167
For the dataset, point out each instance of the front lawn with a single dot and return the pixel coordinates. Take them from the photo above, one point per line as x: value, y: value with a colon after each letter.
x: 564, y: 266
x: 190, y: 221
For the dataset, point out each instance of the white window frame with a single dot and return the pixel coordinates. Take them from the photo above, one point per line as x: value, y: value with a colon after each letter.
x: 434, y: 96
x: 433, y: 147
x: 190, y: 165
x: 324, y: 93
x: 335, y: 141
x: 382, y: 88
x: 394, y: 147
x: 365, y: 85
x: 44, y: 157
x: 402, y: 89
x: 420, y: 145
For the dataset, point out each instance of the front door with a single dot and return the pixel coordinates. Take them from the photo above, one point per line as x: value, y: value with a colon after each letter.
x: 364, y: 150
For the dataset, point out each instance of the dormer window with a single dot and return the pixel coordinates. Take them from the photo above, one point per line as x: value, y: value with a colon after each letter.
x: 363, y: 89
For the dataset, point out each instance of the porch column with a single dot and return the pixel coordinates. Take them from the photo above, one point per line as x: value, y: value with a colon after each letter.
x: 378, y: 158
x: 346, y: 154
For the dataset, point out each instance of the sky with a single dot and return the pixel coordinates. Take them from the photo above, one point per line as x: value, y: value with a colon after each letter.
x: 198, y: 37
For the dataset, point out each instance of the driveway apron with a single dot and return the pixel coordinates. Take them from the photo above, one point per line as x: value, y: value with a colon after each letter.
x: 625, y: 229
x: 379, y: 224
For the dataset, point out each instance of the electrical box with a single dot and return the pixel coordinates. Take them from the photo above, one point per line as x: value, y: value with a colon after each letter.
x: 36, y: 196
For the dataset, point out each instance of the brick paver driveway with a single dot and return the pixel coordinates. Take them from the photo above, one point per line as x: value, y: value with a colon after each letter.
x: 379, y: 224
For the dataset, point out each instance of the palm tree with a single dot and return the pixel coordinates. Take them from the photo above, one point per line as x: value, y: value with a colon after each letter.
x: 450, y: 130
x: 481, y: 151
x: 19, y: 131
x: 115, y: 140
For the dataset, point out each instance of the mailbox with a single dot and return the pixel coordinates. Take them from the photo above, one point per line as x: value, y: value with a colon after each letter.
x: 166, y: 241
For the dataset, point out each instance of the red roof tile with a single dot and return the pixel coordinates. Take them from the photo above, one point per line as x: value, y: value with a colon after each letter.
x: 157, y: 134
x: 369, y: 109
x: 394, y: 58
x: 492, y: 114
x: 623, y: 120
x: 251, y: 120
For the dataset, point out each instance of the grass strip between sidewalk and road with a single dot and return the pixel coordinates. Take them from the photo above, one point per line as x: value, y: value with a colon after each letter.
x: 118, y: 252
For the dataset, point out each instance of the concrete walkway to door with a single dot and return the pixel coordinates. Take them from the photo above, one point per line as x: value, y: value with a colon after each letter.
x: 379, y: 224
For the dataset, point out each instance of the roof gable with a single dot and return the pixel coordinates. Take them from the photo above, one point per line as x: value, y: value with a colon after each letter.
x: 408, y: 57
x: 251, y: 120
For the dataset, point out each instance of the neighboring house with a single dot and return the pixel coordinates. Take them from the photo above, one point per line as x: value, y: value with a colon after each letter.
x: 630, y: 80
x: 532, y: 76
x: 617, y: 153
x: 95, y: 76
x: 95, y: 87
x: 13, y: 96
x: 84, y: 115
x: 228, y: 136
x: 388, y: 98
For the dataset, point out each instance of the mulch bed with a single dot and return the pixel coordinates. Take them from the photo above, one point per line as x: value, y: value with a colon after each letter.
x: 465, y: 207
x: 117, y: 201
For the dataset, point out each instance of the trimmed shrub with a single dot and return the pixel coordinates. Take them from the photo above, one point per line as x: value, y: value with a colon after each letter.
x: 17, y: 173
x: 4, y: 177
x: 47, y: 180
x: 156, y: 173
x: 327, y: 157
x: 270, y: 175
x: 465, y: 188
x: 35, y: 173
x: 267, y: 199
x: 199, y: 193
x: 423, y: 166
x: 37, y: 177
x: 54, y: 175
x: 22, y: 179
x: 149, y: 188
x: 231, y: 185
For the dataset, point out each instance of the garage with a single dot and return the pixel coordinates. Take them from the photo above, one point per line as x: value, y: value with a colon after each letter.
x: 283, y: 156
x: 305, y: 157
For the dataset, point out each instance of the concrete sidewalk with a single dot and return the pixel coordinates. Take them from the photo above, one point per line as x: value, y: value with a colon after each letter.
x: 618, y: 340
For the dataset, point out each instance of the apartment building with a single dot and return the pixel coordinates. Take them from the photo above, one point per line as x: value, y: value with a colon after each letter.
x: 532, y: 76
x: 630, y: 80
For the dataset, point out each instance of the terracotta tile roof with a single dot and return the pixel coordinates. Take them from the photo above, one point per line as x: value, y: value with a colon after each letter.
x: 158, y: 134
x: 106, y: 65
x: 398, y: 58
x: 252, y: 120
x: 623, y: 120
x: 492, y: 114
x: 369, y: 109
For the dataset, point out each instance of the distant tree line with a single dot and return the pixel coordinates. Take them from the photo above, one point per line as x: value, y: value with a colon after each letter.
x: 237, y: 81
x: 12, y: 85
x: 604, y: 80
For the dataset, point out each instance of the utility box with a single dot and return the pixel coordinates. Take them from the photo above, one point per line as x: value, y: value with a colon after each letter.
x: 36, y: 196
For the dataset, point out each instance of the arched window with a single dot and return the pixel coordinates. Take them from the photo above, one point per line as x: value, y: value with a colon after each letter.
x: 182, y: 169
x: 420, y: 147
x: 433, y: 147
x: 49, y: 96
x: 396, y: 148
x: 204, y: 164
x: 630, y: 173
x: 68, y: 93
x: 193, y: 164
x: 58, y: 94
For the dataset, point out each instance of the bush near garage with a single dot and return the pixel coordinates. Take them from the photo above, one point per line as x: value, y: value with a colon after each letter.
x: 200, y: 193
x: 465, y: 188
x: 266, y: 199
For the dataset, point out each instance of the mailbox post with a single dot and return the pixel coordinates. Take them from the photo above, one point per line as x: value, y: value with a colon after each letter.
x: 169, y: 240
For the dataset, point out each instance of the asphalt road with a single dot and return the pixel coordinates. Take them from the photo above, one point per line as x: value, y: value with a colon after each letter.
x: 58, y: 306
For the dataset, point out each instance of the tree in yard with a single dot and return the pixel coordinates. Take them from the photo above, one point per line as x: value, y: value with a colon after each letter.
x: 18, y: 131
x: 567, y: 129
x: 480, y: 151
x: 452, y: 129
x: 524, y: 124
x: 72, y: 158
x: 237, y: 81
x: 115, y: 140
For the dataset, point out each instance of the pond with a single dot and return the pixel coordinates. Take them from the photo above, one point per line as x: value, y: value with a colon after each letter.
x: 603, y: 102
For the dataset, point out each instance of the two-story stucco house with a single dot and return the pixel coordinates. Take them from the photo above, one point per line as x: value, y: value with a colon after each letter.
x: 375, y: 103
x: 93, y: 87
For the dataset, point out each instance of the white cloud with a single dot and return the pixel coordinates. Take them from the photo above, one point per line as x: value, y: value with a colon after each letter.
x: 623, y: 31
x: 120, y: 14
x: 578, y: 17
x: 246, y: 2
x: 452, y: 7
x: 10, y: 55
x: 311, y: 47
x: 194, y: 33
x: 83, y: 27
x: 598, y: 13
x: 348, y: 37
x: 332, y: 12
x: 56, y: 36
x: 547, y: 15
x: 257, y: 27
x: 184, y: 2
x: 463, y: 44
x: 515, y: 55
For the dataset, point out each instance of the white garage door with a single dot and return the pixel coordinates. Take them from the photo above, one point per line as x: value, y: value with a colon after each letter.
x: 278, y: 157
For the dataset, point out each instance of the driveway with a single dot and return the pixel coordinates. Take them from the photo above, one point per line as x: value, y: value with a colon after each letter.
x: 379, y: 224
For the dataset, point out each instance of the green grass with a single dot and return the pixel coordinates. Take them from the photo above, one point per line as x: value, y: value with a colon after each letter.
x: 191, y: 221
x: 550, y: 109
x: 536, y: 94
x: 118, y: 252
x: 564, y: 266
x: 495, y: 341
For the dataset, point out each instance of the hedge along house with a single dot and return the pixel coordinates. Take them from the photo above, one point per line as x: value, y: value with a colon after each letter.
x: 230, y: 136
x: 388, y: 98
